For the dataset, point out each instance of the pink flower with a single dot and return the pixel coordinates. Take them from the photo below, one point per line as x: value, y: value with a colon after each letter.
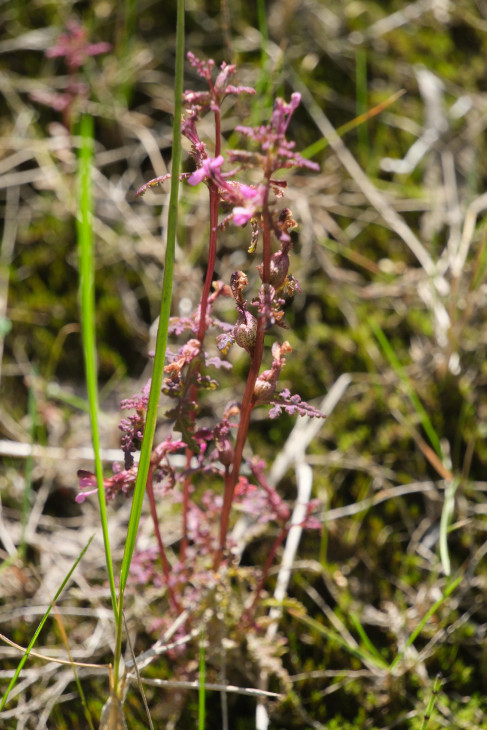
x: 255, y: 197
x: 210, y: 169
x: 241, y: 216
x: 247, y: 191
x: 74, y: 47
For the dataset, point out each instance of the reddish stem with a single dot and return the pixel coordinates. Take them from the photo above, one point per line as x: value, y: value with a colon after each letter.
x: 218, y: 134
x: 186, y: 485
x: 214, y: 200
x: 270, y: 559
x: 165, y: 563
x: 202, y: 325
x: 248, y: 397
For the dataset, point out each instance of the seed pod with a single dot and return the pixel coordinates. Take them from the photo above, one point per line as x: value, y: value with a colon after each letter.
x: 245, y: 331
x: 225, y: 451
x: 265, y: 385
x: 279, y: 266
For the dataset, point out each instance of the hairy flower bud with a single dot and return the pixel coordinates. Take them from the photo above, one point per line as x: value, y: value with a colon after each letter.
x: 225, y: 452
x: 279, y: 266
x: 245, y: 331
x: 265, y: 385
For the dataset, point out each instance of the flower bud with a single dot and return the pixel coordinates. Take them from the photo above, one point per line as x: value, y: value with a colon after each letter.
x: 225, y: 452
x: 278, y: 270
x: 279, y: 266
x: 265, y: 386
x: 245, y: 331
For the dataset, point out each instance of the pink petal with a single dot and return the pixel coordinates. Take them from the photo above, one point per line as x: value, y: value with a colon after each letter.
x: 241, y: 216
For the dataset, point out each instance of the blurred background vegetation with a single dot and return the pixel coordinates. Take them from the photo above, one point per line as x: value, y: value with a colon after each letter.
x: 391, y: 256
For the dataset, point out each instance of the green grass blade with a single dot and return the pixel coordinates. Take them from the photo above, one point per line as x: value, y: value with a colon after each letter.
x: 128, y: 49
x: 264, y: 83
x: 480, y: 266
x: 86, y: 709
x: 323, y: 143
x: 365, y: 639
x: 432, y: 702
x: 323, y: 553
x: 446, y: 514
x: 162, y: 333
x: 26, y: 499
x: 55, y: 391
x: 399, y: 370
x: 448, y: 590
x: 41, y: 624
x: 358, y: 652
x: 202, y: 686
x: 87, y: 303
x: 449, y: 502
x: 137, y: 674
x: 361, y: 100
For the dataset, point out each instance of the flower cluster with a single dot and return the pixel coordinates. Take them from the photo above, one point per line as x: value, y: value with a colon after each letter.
x: 132, y: 427
x: 74, y: 47
x: 123, y: 479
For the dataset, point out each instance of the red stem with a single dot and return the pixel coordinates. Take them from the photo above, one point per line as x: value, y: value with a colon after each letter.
x: 214, y: 200
x: 186, y: 485
x: 270, y: 559
x: 218, y: 135
x: 165, y: 563
x: 212, y: 245
x: 201, y: 336
x: 248, y: 397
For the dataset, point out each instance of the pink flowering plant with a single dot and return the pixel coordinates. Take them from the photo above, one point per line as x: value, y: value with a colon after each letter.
x: 211, y: 477
x: 74, y: 48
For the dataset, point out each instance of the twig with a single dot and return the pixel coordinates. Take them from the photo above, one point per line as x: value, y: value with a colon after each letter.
x: 230, y: 688
x: 46, y: 658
